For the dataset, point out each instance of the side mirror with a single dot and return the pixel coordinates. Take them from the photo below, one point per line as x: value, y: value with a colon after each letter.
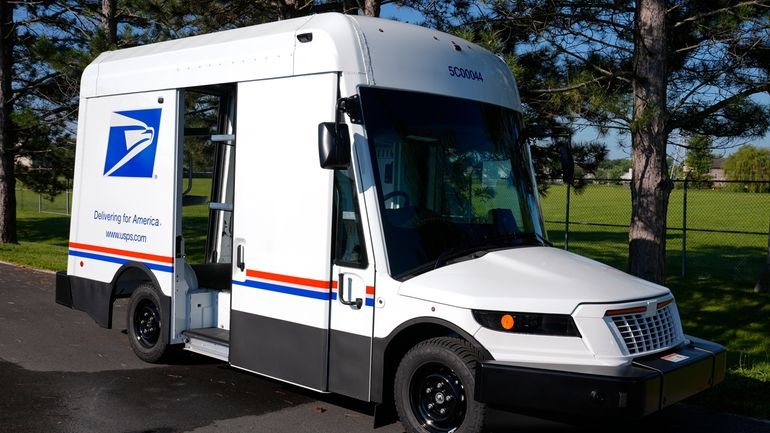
x: 567, y: 162
x: 333, y: 145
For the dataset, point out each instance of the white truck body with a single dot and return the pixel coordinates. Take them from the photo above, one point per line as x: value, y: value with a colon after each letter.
x: 319, y: 287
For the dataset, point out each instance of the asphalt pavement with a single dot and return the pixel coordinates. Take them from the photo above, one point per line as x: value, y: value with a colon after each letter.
x: 60, y: 372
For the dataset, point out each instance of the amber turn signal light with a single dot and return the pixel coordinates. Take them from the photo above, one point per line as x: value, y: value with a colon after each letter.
x: 507, y: 322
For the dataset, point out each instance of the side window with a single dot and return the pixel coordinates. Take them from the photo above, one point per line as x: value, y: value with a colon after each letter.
x: 349, y: 240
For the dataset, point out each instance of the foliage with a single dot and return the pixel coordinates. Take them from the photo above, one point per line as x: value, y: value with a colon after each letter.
x: 749, y: 163
x: 699, y: 157
x: 613, y: 168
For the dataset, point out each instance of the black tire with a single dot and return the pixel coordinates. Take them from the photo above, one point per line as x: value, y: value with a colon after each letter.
x: 146, y: 326
x: 439, y: 375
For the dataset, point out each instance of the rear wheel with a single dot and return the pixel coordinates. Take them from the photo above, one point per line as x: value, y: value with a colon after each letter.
x: 146, y: 326
x: 434, y: 387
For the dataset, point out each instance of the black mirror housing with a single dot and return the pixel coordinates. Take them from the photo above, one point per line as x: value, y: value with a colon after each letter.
x: 333, y: 146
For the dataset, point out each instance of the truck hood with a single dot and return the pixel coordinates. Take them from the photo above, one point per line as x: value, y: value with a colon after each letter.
x: 529, y: 279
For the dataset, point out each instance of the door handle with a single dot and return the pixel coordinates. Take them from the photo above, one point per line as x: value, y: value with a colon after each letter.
x: 240, y: 260
x: 357, y: 303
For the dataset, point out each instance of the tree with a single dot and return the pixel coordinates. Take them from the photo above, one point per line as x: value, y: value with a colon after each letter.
x: 7, y: 156
x: 645, y: 68
x: 613, y: 168
x: 749, y: 163
x: 699, y: 157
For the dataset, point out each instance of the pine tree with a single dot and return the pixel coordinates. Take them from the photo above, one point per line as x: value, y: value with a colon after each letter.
x: 7, y: 146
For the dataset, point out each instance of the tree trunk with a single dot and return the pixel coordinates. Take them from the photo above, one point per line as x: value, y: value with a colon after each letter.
x: 109, y: 23
x: 7, y: 177
x: 650, y: 185
x: 372, y: 8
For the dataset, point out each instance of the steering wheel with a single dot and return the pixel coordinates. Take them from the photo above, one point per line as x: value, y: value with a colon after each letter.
x: 401, y: 194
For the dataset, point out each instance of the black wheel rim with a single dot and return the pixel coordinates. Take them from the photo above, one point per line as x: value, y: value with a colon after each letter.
x: 147, y: 323
x: 437, y: 398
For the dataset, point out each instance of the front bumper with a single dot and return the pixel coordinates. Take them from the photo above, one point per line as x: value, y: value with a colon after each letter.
x: 646, y: 386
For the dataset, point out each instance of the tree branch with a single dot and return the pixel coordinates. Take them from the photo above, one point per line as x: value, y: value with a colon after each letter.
x: 714, y: 108
x: 759, y: 3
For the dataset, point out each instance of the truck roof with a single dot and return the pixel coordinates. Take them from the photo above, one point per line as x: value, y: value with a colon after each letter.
x: 381, y: 52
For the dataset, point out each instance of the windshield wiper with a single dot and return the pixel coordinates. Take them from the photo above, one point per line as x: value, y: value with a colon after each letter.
x: 540, y: 238
x: 454, y: 254
x: 457, y: 254
x: 520, y: 236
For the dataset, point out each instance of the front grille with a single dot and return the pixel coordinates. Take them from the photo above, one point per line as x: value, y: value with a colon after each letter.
x: 642, y: 333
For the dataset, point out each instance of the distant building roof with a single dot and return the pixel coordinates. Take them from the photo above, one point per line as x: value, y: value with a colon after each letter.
x: 717, y: 162
x: 628, y: 175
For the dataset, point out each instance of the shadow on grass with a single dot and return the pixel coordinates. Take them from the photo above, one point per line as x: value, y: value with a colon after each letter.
x: 44, y: 229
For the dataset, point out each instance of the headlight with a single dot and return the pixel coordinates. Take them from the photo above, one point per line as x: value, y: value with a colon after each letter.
x: 528, y: 323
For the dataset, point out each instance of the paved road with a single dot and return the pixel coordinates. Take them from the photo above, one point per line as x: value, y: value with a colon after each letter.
x: 60, y: 372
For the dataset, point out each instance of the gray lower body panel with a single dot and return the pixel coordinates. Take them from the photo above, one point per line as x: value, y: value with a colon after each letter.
x: 280, y: 349
x: 349, y: 364
x: 92, y: 297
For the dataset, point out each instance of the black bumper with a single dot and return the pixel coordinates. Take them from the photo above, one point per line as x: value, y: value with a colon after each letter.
x: 63, y: 289
x: 93, y: 297
x: 646, y: 386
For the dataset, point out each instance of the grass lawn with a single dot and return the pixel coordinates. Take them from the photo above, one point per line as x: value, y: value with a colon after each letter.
x: 716, y: 298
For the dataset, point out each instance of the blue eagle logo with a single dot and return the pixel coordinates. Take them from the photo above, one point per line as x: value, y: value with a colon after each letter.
x: 132, y: 143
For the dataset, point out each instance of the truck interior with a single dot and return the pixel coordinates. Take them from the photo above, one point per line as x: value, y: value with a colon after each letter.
x: 207, y: 179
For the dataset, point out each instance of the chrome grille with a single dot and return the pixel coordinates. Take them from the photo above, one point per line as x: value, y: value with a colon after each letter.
x: 642, y: 333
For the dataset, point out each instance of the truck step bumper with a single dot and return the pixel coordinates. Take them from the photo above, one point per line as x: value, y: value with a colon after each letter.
x: 646, y: 386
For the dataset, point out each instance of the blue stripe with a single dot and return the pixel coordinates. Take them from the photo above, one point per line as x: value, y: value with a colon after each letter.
x: 119, y: 260
x: 324, y: 296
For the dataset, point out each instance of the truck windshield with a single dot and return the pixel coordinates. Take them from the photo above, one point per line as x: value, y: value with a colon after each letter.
x: 453, y: 178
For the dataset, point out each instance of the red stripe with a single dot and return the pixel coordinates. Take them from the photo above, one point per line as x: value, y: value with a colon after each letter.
x: 120, y: 252
x: 321, y: 284
x: 370, y: 290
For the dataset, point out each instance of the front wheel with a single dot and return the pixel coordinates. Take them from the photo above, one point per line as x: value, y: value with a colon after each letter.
x: 434, y: 387
x: 147, y: 331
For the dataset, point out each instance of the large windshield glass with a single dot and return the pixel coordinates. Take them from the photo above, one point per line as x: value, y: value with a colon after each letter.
x: 453, y: 178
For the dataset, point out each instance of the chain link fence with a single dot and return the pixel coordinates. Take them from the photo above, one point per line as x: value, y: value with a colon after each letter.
x: 714, y: 228
x: 28, y: 200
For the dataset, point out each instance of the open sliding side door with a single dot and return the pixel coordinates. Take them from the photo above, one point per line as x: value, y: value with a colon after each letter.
x: 283, y: 219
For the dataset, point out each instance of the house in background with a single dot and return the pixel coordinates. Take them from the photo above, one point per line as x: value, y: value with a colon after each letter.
x: 628, y: 175
x: 717, y: 173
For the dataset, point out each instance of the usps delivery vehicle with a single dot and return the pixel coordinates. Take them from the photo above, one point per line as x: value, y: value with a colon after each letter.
x: 372, y: 229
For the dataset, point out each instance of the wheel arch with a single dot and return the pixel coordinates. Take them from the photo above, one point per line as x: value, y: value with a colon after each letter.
x: 387, y: 353
x: 97, y: 298
x: 129, y: 276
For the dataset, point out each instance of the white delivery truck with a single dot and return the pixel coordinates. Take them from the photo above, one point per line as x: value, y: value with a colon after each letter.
x: 373, y: 229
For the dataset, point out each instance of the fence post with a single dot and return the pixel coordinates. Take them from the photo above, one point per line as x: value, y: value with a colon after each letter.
x: 566, y: 220
x: 684, y: 225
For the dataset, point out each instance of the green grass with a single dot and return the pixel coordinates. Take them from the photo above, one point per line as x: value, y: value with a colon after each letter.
x: 195, y: 221
x: 715, y: 299
x: 42, y: 243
